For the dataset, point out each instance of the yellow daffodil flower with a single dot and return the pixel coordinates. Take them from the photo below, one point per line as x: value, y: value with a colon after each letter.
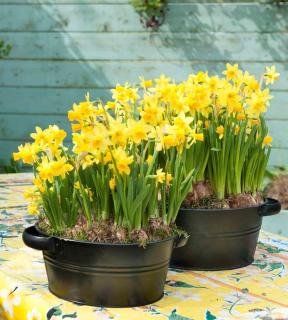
x: 241, y: 116
x: 39, y: 184
x: 199, y: 136
x: 267, y: 141
x: 145, y: 83
x: 256, y: 105
x: 77, y: 185
x: 220, y: 131
x: 26, y: 153
x: 124, y: 94
x: 149, y: 159
x: 231, y: 71
x: 112, y: 183
x: 50, y: 169
x: 137, y: 131
x: 162, y: 81
x: 271, y: 75
x: 162, y: 176
x: 170, y: 141
x: 33, y: 209
x: 169, y: 178
x: 122, y: 161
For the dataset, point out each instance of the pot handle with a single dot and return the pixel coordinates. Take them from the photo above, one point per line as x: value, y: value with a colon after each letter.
x: 270, y: 207
x: 34, y: 240
x: 180, y: 241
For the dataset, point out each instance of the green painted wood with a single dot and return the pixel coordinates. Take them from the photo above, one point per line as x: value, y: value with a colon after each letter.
x: 52, y: 101
x: 19, y: 127
x: 279, y: 106
x: 188, y: 17
x: 276, y: 223
x: 279, y: 157
x: 279, y: 131
x: 100, y: 74
x: 150, y: 46
x: 114, y: 2
x: 101, y: 43
x: 45, y: 100
x: 55, y: 2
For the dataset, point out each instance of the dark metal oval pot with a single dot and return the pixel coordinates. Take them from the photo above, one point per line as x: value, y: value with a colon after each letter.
x: 221, y: 238
x: 101, y: 274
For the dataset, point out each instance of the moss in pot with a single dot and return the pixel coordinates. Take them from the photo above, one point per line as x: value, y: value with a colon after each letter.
x: 107, y: 206
x: 223, y: 213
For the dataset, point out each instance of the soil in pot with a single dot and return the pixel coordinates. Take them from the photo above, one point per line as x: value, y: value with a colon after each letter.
x: 108, y: 232
x: 202, y: 197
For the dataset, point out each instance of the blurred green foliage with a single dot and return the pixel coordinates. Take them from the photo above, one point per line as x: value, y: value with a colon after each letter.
x: 12, y: 167
x: 274, y: 172
x: 4, y: 49
x: 152, y: 12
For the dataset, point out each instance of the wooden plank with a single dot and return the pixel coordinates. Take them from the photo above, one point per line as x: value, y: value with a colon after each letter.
x: 100, y: 74
x: 6, y: 150
x: 279, y: 157
x: 58, y: 101
x: 278, y: 130
x: 185, y: 17
x: 150, y: 46
x: 45, y: 100
x: 279, y: 106
x: 19, y: 127
x: 114, y: 2
x: 86, y: 17
x: 66, y: 2
x: 5, y: 155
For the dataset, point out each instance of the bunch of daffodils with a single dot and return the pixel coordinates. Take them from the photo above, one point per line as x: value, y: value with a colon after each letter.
x: 127, y: 164
x: 229, y: 110
x: 136, y: 157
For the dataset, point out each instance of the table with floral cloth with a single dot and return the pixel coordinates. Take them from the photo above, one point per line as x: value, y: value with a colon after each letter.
x: 259, y: 291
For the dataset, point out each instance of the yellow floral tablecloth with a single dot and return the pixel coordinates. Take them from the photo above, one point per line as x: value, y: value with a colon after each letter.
x: 259, y: 291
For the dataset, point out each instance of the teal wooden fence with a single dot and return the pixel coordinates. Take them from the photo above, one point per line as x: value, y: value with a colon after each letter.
x: 64, y: 48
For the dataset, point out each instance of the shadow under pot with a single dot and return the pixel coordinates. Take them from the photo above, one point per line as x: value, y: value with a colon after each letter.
x: 103, y: 274
x: 221, y: 239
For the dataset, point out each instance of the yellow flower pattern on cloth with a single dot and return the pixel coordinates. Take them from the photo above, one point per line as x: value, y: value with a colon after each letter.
x: 259, y: 291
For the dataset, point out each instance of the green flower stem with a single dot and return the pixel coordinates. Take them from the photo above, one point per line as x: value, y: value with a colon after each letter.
x: 85, y: 202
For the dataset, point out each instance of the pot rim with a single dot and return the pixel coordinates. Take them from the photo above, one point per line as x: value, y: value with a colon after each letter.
x: 133, y: 244
x: 219, y: 210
